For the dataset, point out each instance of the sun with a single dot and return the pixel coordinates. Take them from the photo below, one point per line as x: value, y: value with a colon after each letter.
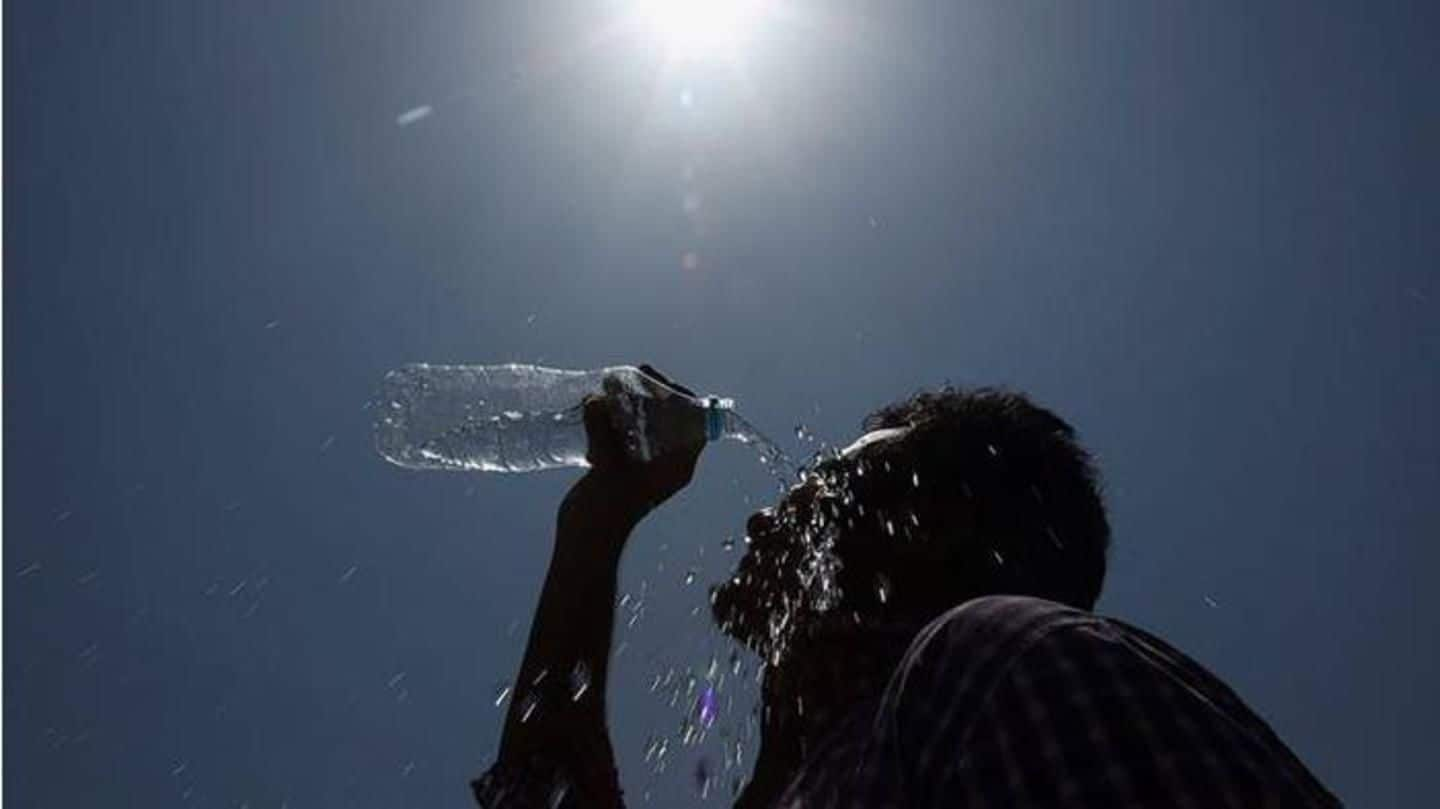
x: 699, y: 29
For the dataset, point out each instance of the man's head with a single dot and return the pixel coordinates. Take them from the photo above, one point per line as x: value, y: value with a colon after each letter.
x: 948, y: 496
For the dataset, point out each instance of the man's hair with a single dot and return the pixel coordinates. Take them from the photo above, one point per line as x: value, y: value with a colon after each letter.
x: 1039, y: 518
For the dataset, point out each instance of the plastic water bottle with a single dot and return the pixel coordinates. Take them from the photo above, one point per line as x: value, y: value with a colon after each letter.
x: 524, y: 418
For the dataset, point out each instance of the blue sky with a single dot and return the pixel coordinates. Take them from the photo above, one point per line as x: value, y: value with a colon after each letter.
x: 1204, y: 233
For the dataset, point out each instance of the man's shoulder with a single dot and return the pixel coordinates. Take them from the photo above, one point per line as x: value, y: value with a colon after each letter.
x: 954, y: 661
x: 996, y: 622
x: 974, y: 643
x: 1009, y: 610
x: 1006, y: 684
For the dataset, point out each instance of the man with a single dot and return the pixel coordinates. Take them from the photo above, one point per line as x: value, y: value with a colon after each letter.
x: 922, y: 601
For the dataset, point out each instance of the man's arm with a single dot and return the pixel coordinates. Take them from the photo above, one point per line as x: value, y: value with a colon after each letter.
x: 569, y: 645
x: 555, y: 738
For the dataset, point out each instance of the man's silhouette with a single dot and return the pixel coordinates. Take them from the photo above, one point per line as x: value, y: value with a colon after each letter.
x: 922, y: 601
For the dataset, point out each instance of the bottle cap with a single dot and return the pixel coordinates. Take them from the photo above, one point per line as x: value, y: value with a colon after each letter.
x: 715, y: 408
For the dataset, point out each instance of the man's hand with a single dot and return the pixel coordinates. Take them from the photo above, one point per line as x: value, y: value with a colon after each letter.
x: 620, y: 481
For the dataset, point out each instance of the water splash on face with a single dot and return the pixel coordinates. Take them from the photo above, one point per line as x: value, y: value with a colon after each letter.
x: 788, y: 575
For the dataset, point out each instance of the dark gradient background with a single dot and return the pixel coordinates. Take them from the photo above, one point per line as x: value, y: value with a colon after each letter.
x: 1204, y: 232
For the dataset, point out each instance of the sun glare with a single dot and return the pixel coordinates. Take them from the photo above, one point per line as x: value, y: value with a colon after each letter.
x: 699, y: 29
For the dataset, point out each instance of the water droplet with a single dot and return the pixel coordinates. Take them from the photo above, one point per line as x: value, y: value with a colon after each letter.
x: 990, y: 448
x: 915, y: 479
x: 410, y: 116
x: 689, y: 577
x: 1211, y: 603
x: 579, y: 682
x: 502, y: 691
x: 728, y: 544
x: 527, y: 707
x: 890, y: 528
x: 702, y: 777
x: 882, y: 588
x: 999, y: 560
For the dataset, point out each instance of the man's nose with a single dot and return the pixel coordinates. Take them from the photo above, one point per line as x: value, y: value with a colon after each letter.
x: 761, y: 523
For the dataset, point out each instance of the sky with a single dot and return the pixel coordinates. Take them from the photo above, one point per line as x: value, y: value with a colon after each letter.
x: 1202, y: 232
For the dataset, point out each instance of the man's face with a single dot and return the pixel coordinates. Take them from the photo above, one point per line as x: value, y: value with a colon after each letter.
x: 820, y: 550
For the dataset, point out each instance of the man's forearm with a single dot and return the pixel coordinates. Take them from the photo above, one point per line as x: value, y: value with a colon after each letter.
x: 569, y: 645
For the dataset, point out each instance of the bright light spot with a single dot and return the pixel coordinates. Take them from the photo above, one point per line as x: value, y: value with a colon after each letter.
x: 700, y: 29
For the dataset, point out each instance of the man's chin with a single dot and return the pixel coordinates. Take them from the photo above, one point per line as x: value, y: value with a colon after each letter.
x: 754, y: 617
x: 725, y: 609
x: 740, y: 613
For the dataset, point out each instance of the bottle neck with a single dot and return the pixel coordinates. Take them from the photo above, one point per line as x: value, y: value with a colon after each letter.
x: 717, y: 413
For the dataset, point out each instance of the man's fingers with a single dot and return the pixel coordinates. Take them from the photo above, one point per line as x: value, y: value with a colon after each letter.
x: 605, y: 447
x: 649, y: 370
